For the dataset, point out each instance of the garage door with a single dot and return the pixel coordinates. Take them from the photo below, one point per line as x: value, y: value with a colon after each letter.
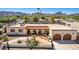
x: 57, y: 37
x: 67, y: 37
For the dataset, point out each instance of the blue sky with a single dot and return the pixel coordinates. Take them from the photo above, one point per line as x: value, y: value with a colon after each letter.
x: 43, y: 10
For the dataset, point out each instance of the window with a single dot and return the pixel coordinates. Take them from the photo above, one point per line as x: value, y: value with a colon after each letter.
x: 12, y: 30
x: 20, y: 30
x: 68, y: 24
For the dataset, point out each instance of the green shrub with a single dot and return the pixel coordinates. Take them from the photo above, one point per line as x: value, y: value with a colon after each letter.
x: 32, y: 43
x: 5, y: 38
x: 1, y: 38
x: 19, y: 41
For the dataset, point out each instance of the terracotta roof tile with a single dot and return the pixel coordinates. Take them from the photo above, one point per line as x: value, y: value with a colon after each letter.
x: 37, y: 27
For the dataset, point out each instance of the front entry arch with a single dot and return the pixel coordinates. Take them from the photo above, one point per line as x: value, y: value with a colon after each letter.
x: 67, y: 37
x: 57, y: 37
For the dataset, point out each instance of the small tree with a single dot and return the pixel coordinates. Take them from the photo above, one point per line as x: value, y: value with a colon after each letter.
x: 26, y: 18
x: 35, y: 19
x: 43, y: 17
x: 5, y: 38
x: 63, y: 17
x: 53, y: 19
x: 32, y: 43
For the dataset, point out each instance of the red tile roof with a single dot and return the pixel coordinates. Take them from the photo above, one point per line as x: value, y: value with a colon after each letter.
x: 37, y: 27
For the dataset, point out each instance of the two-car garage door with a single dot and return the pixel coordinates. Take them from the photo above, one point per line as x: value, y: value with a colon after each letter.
x: 57, y: 37
x: 65, y: 37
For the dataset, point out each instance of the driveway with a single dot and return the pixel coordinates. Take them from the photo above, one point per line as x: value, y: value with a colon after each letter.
x: 66, y: 45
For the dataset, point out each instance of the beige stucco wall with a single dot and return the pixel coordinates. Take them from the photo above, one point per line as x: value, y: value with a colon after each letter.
x: 16, y: 31
x: 52, y: 31
x: 62, y: 33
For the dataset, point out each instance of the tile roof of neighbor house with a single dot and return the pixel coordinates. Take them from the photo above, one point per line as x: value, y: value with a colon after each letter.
x: 46, y: 26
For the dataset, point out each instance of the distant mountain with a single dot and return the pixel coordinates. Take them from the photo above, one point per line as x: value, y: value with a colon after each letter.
x: 60, y: 14
x: 75, y: 14
x: 9, y: 13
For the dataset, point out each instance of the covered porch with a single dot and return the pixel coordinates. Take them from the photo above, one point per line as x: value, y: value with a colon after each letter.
x: 37, y: 30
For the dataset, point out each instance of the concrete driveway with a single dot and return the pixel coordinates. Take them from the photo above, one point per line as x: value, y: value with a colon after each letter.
x: 66, y: 45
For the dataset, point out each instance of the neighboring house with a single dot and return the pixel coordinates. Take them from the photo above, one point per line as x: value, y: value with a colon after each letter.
x: 59, y: 21
x: 19, y: 21
x: 55, y: 31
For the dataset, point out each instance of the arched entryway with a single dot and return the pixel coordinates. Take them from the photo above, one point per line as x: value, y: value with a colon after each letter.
x: 46, y: 32
x: 40, y: 32
x: 28, y: 32
x: 57, y: 37
x: 34, y: 32
x: 67, y: 37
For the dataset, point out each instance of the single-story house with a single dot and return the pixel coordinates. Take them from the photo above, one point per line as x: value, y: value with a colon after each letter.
x: 55, y: 31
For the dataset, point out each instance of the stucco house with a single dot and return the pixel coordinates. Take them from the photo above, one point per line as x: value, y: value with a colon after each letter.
x: 55, y: 31
x: 74, y: 25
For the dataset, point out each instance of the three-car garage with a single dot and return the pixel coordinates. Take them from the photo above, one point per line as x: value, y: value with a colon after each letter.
x: 64, y: 34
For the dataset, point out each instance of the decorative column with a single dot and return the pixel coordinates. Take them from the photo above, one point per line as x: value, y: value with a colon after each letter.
x: 42, y: 32
x: 31, y: 31
x: 50, y: 33
x: 62, y: 36
x: 37, y: 31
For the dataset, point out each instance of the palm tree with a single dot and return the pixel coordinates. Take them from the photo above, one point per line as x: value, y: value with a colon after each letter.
x: 6, y: 39
x: 39, y: 10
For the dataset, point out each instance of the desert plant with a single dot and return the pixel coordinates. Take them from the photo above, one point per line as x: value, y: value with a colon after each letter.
x: 32, y: 43
x: 43, y: 17
x: 5, y: 38
x: 19, y: 41
x: 1, y: 38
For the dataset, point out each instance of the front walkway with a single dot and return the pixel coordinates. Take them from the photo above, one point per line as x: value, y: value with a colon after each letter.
x: 66, y: 45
